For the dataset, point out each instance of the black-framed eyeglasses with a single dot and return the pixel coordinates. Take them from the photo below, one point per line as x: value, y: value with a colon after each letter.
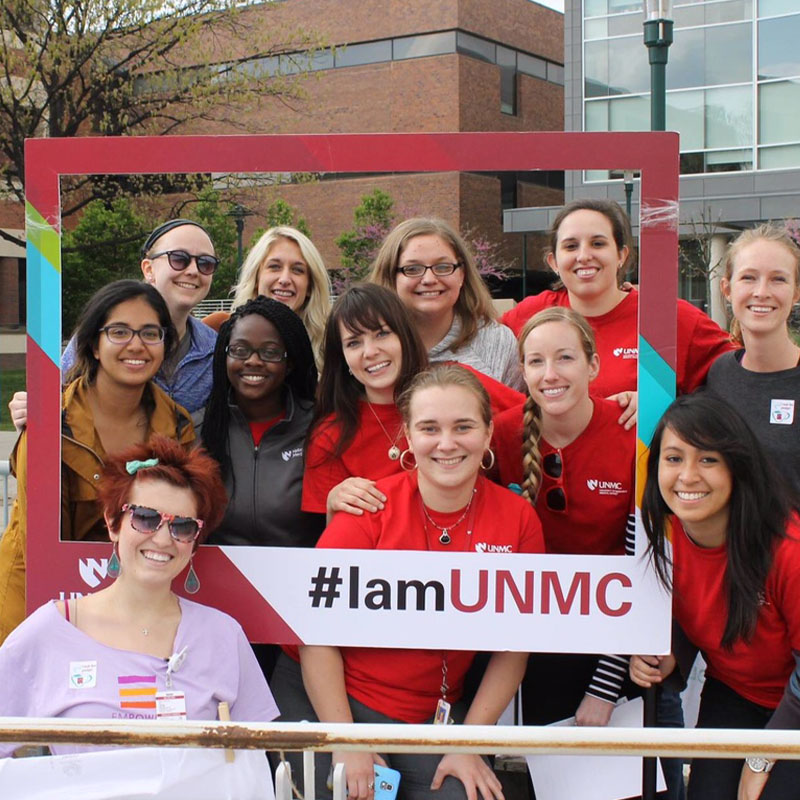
x: 268, y: 353
x: 555, y: 497
x: 418, y: 270
x: 148, y: 520
x: 122, y: 334
x: 179, y: 260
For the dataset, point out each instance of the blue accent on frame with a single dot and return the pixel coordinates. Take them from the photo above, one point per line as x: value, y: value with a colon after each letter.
x: 656, y: 389
x: 44, y: 303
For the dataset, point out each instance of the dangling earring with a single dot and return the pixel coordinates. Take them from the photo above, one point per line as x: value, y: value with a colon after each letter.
x: 192, y: 583
x: 403, y: 464
x: 491, y: 459
x: 112, y: 570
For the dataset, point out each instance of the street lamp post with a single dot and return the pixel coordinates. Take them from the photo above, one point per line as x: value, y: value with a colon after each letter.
x: 658, y: 37
x: 239, y: 212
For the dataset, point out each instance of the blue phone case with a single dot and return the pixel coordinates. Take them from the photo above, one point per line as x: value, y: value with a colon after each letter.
x: 387, y: 781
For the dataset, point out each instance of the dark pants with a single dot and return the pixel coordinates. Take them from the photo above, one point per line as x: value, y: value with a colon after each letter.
x: 669, y: 714
x: 417, y: 769
x: 718, y: 778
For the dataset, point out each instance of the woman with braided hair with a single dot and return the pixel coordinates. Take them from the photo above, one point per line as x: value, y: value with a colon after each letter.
x: 571, y: 459
x: 256, y: 421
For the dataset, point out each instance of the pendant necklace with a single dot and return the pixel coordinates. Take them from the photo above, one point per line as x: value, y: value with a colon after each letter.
x: 444, y: 537
x: 394, y: 451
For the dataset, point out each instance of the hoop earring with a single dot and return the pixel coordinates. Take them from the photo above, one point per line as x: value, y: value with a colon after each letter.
x: 403, y: 460
x: 491, y: 459
x: 192, y: 583
x: 112, y: 570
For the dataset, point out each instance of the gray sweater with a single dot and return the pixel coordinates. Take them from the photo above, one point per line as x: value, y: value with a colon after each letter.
x: 492, y: 351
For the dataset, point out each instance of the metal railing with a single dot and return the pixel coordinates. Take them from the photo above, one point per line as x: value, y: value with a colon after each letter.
x: 206, y: 307
x: 399, y: 738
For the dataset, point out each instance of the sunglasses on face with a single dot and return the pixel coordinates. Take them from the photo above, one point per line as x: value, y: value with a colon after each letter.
x: 242, y: 352
x: 418, y: 270
x: 148, y: 520
x: 179, y: 260
x: 555, y: 497
x: 122, y: 334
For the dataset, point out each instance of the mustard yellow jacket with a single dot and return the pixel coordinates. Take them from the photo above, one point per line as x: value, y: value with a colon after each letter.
x: 82, y: 457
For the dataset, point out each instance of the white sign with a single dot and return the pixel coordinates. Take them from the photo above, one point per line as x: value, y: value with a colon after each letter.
x: 462, y: 601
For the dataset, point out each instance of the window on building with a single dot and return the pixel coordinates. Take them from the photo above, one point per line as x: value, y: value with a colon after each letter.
x: 779, y: 47
x: 366, y: 53
x: 430, y: 44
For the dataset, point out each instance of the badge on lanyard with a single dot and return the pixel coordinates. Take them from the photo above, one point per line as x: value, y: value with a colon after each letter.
x: 781, y: 412
x: 82, y: 674
x: 171, y: 705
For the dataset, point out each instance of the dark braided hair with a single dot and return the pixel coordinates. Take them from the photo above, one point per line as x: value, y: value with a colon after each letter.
x: 301, y: 375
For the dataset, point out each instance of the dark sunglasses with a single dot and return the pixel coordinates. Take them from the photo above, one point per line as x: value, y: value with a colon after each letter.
x: 148, y: 520
x: 179, y: 260
x: 555, y: 497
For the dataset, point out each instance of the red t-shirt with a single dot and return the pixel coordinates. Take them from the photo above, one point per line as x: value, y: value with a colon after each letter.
x: 700, y: 340
x: 366, y: 457
x: 405, y: 684
x: 258, y: 429
x: 500, y: 396
x: 759, y: 669
x: 597, y: 479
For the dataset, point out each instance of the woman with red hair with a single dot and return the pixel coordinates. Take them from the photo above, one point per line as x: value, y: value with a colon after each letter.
x: 135, y: 649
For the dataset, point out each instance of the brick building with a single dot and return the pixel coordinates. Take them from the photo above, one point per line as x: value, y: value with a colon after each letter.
x: 405, y: 65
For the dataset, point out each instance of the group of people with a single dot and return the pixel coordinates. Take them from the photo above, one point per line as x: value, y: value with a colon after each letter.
x: 407, y: 416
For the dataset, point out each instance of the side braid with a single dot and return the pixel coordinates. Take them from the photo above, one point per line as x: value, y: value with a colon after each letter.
x: 531, y: 455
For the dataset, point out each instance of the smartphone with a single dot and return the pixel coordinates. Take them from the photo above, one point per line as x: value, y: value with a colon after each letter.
x: 387, y: 782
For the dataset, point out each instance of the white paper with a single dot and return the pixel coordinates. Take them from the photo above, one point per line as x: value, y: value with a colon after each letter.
x: 166, y: 773
x: 593, y: 777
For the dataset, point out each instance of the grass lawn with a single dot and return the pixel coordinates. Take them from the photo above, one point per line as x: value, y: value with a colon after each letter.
x: 11, y: 380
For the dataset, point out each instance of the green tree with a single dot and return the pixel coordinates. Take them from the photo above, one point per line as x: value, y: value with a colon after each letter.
x: 280, y: 213
x: 122, y: 67
x: 373, y: 218
x: 212, y: 210
x: 104, y: 246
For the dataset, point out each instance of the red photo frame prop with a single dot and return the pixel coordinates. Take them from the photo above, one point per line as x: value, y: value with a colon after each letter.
x: 63, y: 568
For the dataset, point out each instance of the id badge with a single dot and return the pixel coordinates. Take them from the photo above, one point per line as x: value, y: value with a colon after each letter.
x: 442, y: 715
x: 170, y: 705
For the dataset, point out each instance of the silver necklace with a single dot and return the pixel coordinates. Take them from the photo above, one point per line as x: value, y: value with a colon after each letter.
x: 394, y: 451
x: 444, y: 538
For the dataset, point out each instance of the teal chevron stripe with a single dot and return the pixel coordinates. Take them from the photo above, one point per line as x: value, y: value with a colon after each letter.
x: 656, y: 389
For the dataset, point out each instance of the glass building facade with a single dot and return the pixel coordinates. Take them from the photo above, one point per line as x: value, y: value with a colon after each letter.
x: 733, y: 80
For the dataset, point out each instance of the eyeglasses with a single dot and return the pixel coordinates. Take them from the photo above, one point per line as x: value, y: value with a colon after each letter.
x: 179, y: 260
x: 418, y: 270
x: 148, y: 520
x: 122, y: 334
x: 242, y: 352
x: 555, y: 497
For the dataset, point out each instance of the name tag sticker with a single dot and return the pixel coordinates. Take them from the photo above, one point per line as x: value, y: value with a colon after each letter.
x: 82, y: 674
x: 781, y: 412
x: 170, y: 705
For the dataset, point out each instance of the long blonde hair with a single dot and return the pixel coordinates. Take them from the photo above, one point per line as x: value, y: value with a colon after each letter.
x: 532, y: 413
x: 474, y: 305
x: 315, y: 310
x: 768, y: 232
